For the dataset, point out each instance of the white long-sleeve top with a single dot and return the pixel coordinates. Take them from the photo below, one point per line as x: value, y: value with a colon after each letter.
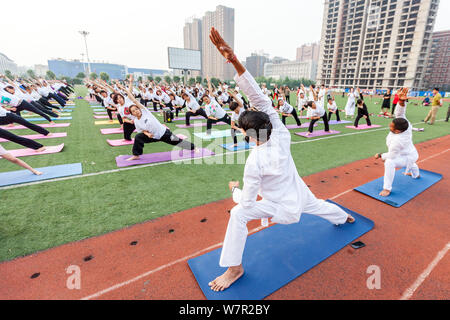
x: 270, y: 170
x: 401, y: 145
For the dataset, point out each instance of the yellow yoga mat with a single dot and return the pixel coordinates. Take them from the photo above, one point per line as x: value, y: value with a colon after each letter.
x: 98, y: 123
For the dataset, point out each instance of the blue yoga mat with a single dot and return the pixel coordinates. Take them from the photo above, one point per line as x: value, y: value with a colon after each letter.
x: 25, y: 176
x: 278, y: 255
x: 404, y: 187
x: 240, y: 146
x: 53, y: 119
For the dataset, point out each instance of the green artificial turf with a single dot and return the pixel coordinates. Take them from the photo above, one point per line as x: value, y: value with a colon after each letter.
x: 38, y: 217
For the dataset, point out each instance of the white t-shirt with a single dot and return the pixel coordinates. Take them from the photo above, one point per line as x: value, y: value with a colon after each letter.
x: 319, y: 111
x: 3, y: 112
x: 9, y: 99
x: 235, y: 116
x: 286, y: 108
x: 149, y: 123
x: 214, y: 110
x: 124, y: 110
x: 332, y: 107
x: 192, y: 105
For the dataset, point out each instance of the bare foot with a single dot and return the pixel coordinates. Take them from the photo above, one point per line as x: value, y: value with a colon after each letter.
x: 350, y: 219
x: 49, y: 135
x: 385, y: 193
x: 308, y: 134
x: 197, y: 151
x: 133, y: 158
x: 227, y: 279
x: 408, y: 174
x: 52, y: 123
x: 38, y: 173
x: 40, y: 149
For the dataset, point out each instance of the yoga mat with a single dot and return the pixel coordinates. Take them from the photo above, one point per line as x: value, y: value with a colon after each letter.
x: 98, y: 123
x: 240, y: 146
x: 25, y: 176
x: 278, y: 255
x: 30, y: 152
x: 103, y: 117
x: 122, y: 142
x: 53, y: 119
x: 192, y: 118
x: 63, y: 114
x: 112, y: 131
x: 177, y: 154
x: 363, y: 127
x: 98, y: 110
x: 331, y: 122
x: 40, y: 136
x: 294, y: 126
x: 319, y: 133
x: 45, y: 125
x: 216, y: 134
x: 194, y: 125
x: 404, y: 188
x: 98, y: 107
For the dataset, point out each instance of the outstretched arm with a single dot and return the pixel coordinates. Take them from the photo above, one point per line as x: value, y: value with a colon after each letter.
x: 246, y: 81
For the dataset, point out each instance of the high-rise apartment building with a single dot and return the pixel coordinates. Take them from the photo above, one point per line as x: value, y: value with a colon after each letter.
x: 213, y: 63
x: 308, y: 52
x: 255, y: 64
x: 438, y: 68
x: 376, y: 43
x: 7, y: 64
x: 193, y: 38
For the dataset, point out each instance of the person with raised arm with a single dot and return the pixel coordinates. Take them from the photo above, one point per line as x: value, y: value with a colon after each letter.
x: 269, y: 171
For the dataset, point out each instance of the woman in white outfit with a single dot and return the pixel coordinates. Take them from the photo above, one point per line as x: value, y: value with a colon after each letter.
x: 270, y: 172
x: 351, y: 102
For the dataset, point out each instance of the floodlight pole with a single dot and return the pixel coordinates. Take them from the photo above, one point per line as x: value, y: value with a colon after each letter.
x: 85, y: 34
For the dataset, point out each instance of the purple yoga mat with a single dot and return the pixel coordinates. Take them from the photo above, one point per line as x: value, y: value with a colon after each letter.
x: 47, y: 125
x: 294, y: 126
x: 116, y: 130
x: 364, y: 126
x: 319, y: 133
x: 337, y: 122
x: 122, y: 142
x: 30, y: 152
x: 162, y: 157
x: 40, y: 136
x: 183, y: 126
x: 103, y: 117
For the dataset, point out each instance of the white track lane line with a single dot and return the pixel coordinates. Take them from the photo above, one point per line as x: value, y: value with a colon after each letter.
x: 177, y: 161
x: 410, y: 291
x: 195, y: 254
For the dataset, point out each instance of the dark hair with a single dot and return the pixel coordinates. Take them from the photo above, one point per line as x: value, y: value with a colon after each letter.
x: 132, y: 106
x: 360, y: 101
x: 103, y: 91
x: 309, y: 104
x: 437, y: 89
x: 219, y: 93
x: 9, y: 87
x: 234, y: 105
x: 256, y: 124
x: 401, y: 124
x: 116, y: 98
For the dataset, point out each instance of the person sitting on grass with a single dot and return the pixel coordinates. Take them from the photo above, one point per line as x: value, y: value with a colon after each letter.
x: 269, y: 171
x: 402, y: 153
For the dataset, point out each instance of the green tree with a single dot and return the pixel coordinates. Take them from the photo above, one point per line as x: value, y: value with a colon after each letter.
x: 158, y: 79
x: 50, y: 75
x: 31, y: 73
x: 198, y: 79
x: 104, y: 76
x: 93, y: 76
x: 140, y: 79
x: 191, y: 81
x: 176, y: 79
x: 215, y: 81
x: 168, y: 79
x: 9, y: 75
x: 150, y: 78
x: 81, y: 75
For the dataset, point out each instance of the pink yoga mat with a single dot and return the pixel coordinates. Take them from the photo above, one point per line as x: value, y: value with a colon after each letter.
x: 192, y: 118
x: 364, y: 126
x: 177, y: 154
x: 31, y: 152
x: 103, y: 117
x: 46, y: 125
x: 319, y: 133
x: 122, y: 142
x: 183, y: 126
x: 40, y: 136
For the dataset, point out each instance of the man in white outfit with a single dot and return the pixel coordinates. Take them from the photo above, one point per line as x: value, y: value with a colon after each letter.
x: 402, y: 153
x: 269, y: 172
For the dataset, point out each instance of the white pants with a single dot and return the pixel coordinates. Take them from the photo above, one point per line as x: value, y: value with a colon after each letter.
x: 350, y: 108
x: 236, y: 236
x: 391, y: 164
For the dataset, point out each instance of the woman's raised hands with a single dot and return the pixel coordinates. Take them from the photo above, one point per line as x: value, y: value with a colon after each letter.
x: 221, y: 45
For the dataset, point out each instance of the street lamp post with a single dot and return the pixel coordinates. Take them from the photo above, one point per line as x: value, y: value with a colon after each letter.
x: 85, y: 34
